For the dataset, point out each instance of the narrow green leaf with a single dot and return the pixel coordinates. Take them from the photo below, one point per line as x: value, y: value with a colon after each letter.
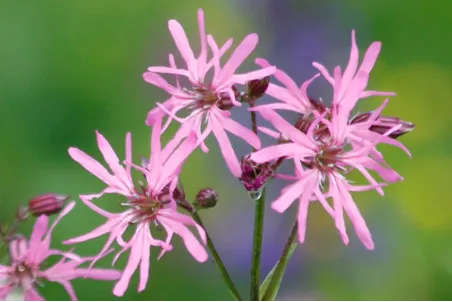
x: 270, y: 287
x: 266, y: 283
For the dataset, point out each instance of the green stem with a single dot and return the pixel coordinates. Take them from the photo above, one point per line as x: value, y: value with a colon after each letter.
x: 257, y: 247
x: 281, y: 265
x: 253, y: 120
x: 217, y: 258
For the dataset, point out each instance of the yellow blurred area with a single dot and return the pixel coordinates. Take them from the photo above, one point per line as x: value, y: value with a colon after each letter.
x: 423, y: 97
x: 427, y: 200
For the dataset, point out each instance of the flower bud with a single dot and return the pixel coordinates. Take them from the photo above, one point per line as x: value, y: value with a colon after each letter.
x: 224, y: 102
x: 385, y: 123
x: 46, y: 204
x: 255, y: 176
x: 304, y: 122
x: 179, y: 193
x: 257, y: 88
x: 317, y: 105
x: 206, y: 198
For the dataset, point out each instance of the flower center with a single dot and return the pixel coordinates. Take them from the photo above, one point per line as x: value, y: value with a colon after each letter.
x: 327, y: 160
x: 24, y: 274
x: 320, y: 132
x: 22, y: 269
x: 143, y: 208
x: 205, y: 98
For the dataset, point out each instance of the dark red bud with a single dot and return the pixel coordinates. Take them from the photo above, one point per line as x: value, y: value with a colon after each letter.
x: 225, y: 102
x: 206, y: 198
x: 257, y: 88
x: 255, y: 176
x: 360, y: 118
x: 317, y: 105
x: 46, y: 204
x: 305, y: 121
x: 179, y: 193
x: 385, y: 123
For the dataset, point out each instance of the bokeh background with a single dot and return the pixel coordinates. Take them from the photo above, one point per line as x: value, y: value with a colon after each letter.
x: 70, y: 67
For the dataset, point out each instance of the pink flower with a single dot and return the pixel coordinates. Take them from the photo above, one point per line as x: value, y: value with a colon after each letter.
x: 292, y: 98
x: 348, y: 89
x: 326, y: 143
x: 25, y: 270
x: 320, y: 168
x: 152, y: 204
x: 208, y: 101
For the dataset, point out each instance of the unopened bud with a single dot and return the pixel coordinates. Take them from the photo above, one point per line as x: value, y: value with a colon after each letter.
x: 179, y: 193
x: 304, y: 122
x: 385, y: 123
x: 206, y: 198
x: 225, y: 102
x: 255, y: 176
x: 257, y: 88
x: 317, y: 105
x: 46, y: 204
x: 360, y: 118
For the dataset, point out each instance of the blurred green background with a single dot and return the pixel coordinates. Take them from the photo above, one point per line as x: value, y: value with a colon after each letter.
x: 70, y: 67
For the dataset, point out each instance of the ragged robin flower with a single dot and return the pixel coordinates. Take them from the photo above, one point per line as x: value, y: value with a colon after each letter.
x: 28, y: 257
x: 326, y: 143
x: 208, y: 100
x: 145, y: 206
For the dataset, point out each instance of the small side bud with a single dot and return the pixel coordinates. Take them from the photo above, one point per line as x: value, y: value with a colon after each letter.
x: 305, y: 121
x: 385, y: 123
x: 257, y: 88
x: 224, y: 102
x: 206, y: 198
x: 178, y: 194
x: 46, y: 204
x: 360, y: 118
x: 255, y: 176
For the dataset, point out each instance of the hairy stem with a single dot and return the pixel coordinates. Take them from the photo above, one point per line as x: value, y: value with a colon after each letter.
x: 282, y: 263
x: 257, y: 247
x: 224, y: 273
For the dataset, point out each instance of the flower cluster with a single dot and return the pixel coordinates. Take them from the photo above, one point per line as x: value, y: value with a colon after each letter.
x: 326, y: 142
x: 323, y: 146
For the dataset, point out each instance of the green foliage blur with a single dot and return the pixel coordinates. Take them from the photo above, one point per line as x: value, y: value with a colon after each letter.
x: 71, y: 67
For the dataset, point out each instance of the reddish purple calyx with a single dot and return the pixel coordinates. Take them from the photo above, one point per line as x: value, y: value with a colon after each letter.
x: 255, y: 176
x: 46, y: 204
